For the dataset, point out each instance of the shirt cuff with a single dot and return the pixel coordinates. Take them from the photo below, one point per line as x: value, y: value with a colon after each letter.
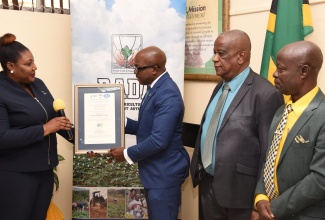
x: 127, y: 158
x: 260, y: 197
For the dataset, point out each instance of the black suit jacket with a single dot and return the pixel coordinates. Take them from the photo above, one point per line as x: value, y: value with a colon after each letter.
x: 241, y: 143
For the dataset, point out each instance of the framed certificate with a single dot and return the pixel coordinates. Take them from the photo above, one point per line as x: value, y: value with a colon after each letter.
x: 99, y: 117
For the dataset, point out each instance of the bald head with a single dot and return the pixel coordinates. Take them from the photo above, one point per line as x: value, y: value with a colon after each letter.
x: 150, y: 64
x: 153, y: 56
x: 304, y: 53
x: 298, y: 65
x: 238, y: 39
x: 232, y: 51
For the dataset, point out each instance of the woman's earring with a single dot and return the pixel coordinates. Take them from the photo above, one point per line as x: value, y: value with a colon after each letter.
x: 11, y: 71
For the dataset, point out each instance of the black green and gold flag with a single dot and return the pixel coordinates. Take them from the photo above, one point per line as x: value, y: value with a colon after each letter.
x: 289, y: 21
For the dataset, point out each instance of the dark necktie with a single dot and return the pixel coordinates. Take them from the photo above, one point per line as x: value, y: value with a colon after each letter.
x: 270, y: 160
x: 147, y: 93
x: 212, y: 129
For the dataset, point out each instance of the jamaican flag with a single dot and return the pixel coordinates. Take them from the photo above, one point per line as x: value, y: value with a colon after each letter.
x: 289, y: 21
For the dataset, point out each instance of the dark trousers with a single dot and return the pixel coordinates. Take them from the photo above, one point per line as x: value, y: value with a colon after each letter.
x: 163, y: 204
x: 25, y: 196
x: 210, y: 209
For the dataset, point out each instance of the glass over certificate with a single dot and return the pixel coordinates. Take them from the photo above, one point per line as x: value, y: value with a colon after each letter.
x: 99, y: 110
x: 99, y: 118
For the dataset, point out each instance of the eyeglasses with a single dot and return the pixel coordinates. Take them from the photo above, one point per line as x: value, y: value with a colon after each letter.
x: 138, y: 68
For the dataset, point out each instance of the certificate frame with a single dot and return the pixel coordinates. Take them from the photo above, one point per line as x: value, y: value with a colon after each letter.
x: 99, y: 117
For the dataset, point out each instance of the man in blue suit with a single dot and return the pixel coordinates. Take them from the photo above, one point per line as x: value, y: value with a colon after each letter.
x: 162, y: 159
x: 298, y: 180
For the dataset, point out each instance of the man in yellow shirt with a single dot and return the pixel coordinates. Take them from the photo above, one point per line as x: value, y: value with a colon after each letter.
x: 292, y: 183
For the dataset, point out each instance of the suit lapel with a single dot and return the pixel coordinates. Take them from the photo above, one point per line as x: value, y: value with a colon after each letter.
x: 308, y: 112
x: 274, y: 124
x: 239, y: 96
x: 152, y: 93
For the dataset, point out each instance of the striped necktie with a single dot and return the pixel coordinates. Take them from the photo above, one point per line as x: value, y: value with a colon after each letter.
x: 212, y: 129
x: 270, y: 160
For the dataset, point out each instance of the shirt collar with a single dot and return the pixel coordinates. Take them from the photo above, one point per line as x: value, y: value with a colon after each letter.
x: 236, y: 82
x: 300, y: 105
x: 154, y: 82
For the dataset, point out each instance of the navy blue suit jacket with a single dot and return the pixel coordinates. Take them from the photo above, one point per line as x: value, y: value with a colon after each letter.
x: 162, y: 159
x: 23, y: 147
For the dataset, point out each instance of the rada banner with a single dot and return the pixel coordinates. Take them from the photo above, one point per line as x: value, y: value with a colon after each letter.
x: 106, y: 35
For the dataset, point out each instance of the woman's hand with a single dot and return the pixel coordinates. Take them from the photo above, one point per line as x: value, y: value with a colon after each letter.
x: 58, y: 123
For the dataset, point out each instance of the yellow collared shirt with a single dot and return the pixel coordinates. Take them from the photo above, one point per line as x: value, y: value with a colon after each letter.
x: 298, y: 108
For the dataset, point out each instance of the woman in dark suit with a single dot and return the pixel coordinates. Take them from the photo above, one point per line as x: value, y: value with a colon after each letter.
x: 28, y: 126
